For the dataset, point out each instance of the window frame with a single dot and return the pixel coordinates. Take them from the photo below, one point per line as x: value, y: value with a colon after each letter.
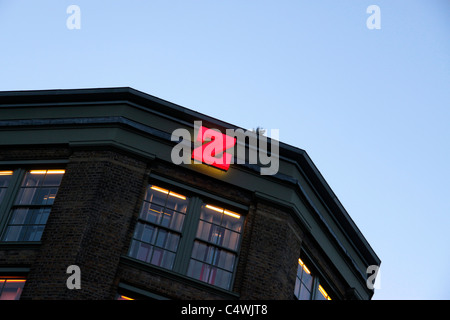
x: 188, y: 233
x: 8, y: 203
x: 159, y: 227
x: 217, y: 246
x: 318, y: 280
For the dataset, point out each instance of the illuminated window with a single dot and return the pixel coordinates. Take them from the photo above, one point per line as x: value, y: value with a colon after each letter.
x: 5, y: 178
x: 11, y: 288
x: 158, y: 231
x: 322, y: 294
x: 215, y: 249
x: 32, y: 205
x: 304, y: 282
x: 187, y: 236
x: 307, y: 286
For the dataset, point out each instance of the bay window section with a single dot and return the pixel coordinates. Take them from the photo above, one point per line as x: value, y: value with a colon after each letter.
x: 187, y: 236
x: 32, y: 206
x: 158, y: 230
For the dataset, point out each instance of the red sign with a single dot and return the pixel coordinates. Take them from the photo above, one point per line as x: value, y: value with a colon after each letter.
x: 212, y: 150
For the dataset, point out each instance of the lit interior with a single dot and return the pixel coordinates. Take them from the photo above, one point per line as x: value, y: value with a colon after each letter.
x: 170, y: 193
x: 300, y: 262
x: 220, y: 210
x: 6, y: 173
x: 47, y: 171
x: 324, y: 293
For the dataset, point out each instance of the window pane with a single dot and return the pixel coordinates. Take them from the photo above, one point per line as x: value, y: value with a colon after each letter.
x: 233, y: 223
x: 297, y: 287
x: 161, y: 239
x: 215, y: 235
x: 164, y: 207
x: 151, y: 212
x: 141, y: 251
x: 176, y: 203
x: 304, y: 293
x: 53, y: 178
x: 27, y: 196
x: 198, y: 270
x: 33, y: 178
x: 156, y: 195
x: 40, y: 216
x: 46, y: 196
x: 204, y: 230
x: 321, y: 294
x: 19, y: 216
x: 2, y: 194
x: 307, y: 280
x: 177, y: 219
x: 13, y: 233
x: 220, y: 278
x: 224, y: 260
x: 203, y: 252
x: 230, y: 240
x: 162, y: 258
x: 210, y: 215
x: 5, y: 177
x: 168, y: 259
x: 145, y: 233
x: 172, y: 241
x: 33, y: 233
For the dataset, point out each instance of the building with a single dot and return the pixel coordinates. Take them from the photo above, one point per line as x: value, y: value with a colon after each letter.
x: 92, y: 206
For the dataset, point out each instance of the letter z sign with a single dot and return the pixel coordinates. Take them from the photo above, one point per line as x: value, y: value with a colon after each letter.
x: 210, y: 148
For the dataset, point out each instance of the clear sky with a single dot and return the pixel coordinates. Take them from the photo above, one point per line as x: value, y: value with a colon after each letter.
x: 370, y: 106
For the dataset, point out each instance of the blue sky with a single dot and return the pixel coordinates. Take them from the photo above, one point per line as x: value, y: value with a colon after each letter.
x: 371, y: 107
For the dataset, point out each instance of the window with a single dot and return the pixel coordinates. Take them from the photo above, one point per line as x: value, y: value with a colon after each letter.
x: 215, y: 248
x: 32, y: 205
x: 307, y: 286
x: 5, y: 177
x: 11, y: 287
x: 188, y: 236
x: 158, y: 230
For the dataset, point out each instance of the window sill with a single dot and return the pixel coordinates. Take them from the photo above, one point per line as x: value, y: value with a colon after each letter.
x: 178, y: 277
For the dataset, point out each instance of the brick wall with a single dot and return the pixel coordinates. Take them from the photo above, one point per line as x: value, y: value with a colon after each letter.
x: 88, y: 226
x: 273, y: 250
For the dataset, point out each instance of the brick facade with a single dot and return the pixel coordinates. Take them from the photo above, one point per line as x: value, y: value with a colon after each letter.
x: 92, y: 222
x: 113, y: 143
